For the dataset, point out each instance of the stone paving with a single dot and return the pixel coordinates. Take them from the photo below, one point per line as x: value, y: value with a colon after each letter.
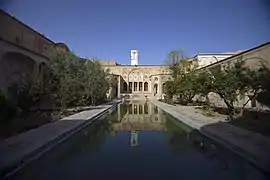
x: 254, y: 146
x: 20, y: 148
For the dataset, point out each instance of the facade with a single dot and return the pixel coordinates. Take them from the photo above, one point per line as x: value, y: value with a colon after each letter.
x: 207, y: 59
x: 254, y: 58
x: 22, y: 50
x: 136, y: 82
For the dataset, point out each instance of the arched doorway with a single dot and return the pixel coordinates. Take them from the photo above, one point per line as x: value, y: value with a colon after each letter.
x: 14, y: 67
x: 155, y: 89
x: 145, y: 86
x: 163, y: 88
x: 125, y: 87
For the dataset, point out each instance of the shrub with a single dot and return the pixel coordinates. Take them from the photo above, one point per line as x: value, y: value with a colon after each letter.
x: 7, y: 108
x: 27, y: 92
x: 207, y: 111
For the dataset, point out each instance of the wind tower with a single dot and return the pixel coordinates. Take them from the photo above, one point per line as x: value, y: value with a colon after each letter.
x: 134, y: 57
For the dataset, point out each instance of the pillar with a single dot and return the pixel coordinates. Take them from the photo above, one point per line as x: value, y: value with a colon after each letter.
x: 119, y: 87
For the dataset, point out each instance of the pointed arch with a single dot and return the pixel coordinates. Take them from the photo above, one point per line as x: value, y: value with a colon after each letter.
x: 145, y: 86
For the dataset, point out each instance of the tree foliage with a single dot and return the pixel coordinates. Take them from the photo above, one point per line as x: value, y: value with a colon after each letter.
x: 70, y: 80
x: 236, y: 82
x: 74, y: 81
x: 232, y: 83
x: 184, y: 84
x: 27, y: 92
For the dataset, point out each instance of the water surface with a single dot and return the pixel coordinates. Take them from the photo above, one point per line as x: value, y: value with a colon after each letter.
x: 139, y: 141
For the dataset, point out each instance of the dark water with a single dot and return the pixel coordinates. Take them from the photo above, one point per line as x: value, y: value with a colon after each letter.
x: 139, y: 141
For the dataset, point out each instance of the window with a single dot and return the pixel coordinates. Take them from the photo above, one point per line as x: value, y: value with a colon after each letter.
x: 140, y: 86
x: 135, y: 86
x: 145, y: 108
x: 155, y: 88
x: 140, y: 109
x: 156, y: 110
x: 125, y: 87
x: 146, y: 86
x: 130, y: 109
x: 130, y: 86
x: 135, y: 109
x: 163, y: 88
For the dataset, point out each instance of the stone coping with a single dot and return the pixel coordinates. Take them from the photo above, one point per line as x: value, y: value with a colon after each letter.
x: 19, y: 150
x: 252, y: 146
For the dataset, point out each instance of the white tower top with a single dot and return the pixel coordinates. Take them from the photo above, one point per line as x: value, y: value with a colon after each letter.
x: 134, y: 57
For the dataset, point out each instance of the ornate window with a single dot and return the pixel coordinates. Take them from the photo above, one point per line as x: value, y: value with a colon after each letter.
x: 125, y: 87
x: 130, y: 86
x: 140, y: 86
x: 145, y: 86
x: 135, y: 86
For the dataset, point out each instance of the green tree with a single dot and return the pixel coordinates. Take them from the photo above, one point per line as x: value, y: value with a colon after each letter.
x: 235, y: 82
x: 184, y: 74
x: 75, y: 81
x: 27, y: 92
x: 204, y: 85
x: 170, y: 89
x: 173, y: 61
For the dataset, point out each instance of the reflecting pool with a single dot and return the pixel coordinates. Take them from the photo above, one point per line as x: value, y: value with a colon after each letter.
x: 139, y: 141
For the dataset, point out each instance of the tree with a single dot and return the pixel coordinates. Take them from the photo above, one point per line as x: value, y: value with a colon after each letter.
x: 184, y: 83
x: 252, y: 84
x: 235, y: 82
x: 96, y: 81
x: 187, y: 87
x: 76, y: 81
x: 173, y: 61
x: 27, y: 92
x: 204, y: 84
x: 170, y: 89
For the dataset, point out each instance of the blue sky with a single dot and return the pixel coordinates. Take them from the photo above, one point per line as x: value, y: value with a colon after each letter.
x: 109, y: 29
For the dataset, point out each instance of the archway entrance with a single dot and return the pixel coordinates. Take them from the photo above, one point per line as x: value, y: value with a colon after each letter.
x: 125, y: 87
x: 155, y: 89
x: 14, y: 67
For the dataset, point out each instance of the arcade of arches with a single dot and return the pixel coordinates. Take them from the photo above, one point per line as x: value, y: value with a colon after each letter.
x: 140, y: 81
x: 15, y: 66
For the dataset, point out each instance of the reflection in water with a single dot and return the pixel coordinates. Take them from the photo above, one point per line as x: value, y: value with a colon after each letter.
x: 156, y: 109
x: 138, y: 135
x: 129, y: 108
x: 134, y: 138
x: 145, y: 108
x: 140, y: 109
x: 135, y: 109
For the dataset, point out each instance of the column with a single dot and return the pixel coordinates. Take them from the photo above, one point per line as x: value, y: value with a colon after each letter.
x: 119, y: 87
x: 160, y: 86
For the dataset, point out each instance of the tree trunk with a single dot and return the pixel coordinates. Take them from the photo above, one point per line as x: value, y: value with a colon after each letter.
x: 244, y: 105
x: 231, y: 109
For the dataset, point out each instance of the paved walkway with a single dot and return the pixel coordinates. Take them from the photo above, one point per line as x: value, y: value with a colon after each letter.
x: 252, y: 145
x: 23, y: 147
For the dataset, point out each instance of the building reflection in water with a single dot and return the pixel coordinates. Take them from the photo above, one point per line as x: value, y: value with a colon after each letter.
x: 138, y: 115
x: 134, y: 141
